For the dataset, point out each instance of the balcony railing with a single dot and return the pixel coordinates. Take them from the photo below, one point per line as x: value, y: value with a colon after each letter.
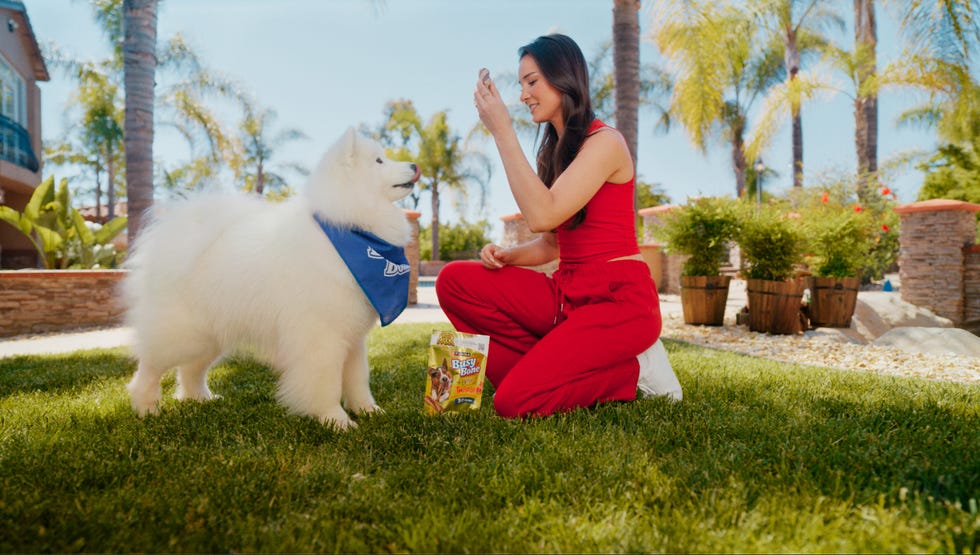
x: 15, y: 144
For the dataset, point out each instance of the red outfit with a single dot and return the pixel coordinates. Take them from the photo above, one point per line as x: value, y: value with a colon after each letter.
x: 570, y: 340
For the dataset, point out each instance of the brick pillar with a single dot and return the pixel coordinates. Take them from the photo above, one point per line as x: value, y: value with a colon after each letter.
x: 934, y: 239
x: 671, y: 264
x: 412, y: 254
x: 517, y: 232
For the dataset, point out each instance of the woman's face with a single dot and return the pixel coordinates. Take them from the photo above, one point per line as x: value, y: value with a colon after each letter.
x: 543, y: 100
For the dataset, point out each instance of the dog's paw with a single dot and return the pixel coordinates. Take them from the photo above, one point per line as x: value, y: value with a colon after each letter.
x: 142, y: 409
x: 337, y: 419
x: 182, y: 395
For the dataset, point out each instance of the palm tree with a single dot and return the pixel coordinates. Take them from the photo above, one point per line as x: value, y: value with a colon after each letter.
x: 866, y: 100
x: 139, y: 69
x: 626, y: 68
x: 799, y: 24
x: 442, y: 157
x: 96, y: 141
x: 721, y: 67
x: 258, y: 148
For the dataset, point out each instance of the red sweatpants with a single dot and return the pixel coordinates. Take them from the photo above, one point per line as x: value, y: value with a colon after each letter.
x: 560, y: 342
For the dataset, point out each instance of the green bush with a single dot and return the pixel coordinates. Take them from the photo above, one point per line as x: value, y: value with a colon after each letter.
x: 702, y: 229
x: 770, y: 243
x: 461, y: 241
x: 838, y: 242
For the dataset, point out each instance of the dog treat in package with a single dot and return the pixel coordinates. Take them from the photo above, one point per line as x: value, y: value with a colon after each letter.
x: 456, y: 370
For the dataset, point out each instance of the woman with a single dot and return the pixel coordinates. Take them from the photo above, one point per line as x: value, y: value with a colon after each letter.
x: 589, y: 333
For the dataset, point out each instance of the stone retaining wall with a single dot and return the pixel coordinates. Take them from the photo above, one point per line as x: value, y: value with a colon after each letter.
x: 43, y: 301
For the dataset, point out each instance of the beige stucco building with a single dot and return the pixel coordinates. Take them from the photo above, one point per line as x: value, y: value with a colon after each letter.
x: 21, y: 68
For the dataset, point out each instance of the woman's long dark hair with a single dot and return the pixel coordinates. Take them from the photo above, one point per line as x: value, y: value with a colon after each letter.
x: 562, y: 64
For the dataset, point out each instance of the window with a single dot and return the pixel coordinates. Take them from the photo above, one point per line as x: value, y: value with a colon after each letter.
x: 15, y: 144
x: 12, y: 94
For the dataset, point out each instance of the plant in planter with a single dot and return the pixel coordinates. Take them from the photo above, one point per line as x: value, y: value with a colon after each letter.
x: 771, y: 246
x: 63, y: 239
x: 702, y: 229
x: 839, y: 241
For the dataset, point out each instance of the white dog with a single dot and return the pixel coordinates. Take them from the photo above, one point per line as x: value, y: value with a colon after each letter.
x: 225, y: 271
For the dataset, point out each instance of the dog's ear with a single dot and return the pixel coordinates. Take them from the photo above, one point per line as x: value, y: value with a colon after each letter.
x: 348, y: 146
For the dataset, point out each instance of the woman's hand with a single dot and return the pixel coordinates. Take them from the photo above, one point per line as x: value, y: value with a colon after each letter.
x: 490, y: 107
x: 493, y: 257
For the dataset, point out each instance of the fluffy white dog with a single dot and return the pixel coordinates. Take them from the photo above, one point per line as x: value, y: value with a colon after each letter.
x: 220, y: 272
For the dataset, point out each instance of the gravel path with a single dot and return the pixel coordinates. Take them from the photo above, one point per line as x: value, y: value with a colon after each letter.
x: 823, y: 350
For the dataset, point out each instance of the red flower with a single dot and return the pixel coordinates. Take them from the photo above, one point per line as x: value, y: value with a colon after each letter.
x: 886, y: 191
x: 857, y: 208
x: 825, y: 197
x: 884, y: 227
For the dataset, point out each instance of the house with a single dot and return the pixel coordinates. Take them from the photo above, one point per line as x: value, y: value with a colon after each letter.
x: 21, y: 67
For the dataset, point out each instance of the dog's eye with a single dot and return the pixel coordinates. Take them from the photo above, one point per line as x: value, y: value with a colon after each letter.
x: 379, y: 160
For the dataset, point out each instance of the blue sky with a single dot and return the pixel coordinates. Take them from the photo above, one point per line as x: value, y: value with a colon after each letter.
x: 324, y: 65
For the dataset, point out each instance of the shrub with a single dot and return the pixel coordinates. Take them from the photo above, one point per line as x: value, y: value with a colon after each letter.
x: 838, y: 242
x: 460, y: 241
x: 701, y: 229
x: 770, y: 243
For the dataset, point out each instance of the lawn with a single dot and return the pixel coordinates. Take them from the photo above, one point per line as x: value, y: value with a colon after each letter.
x: 759, y: 457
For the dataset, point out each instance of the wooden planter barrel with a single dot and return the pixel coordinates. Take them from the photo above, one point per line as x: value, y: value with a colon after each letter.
x: 832, y: 301
x: 774, y: 306
x: 703, y: 299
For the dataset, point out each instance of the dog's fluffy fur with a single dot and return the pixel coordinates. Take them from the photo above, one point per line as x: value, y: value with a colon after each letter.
x: 224, y: 271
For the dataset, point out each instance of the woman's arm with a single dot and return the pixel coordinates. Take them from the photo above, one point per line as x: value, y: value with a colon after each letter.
x: 603, y: 157
x: 540, y: 250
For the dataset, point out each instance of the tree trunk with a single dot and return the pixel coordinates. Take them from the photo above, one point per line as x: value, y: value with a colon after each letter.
x: 865, y: 106
x: 435, y: 221
x: 139, y: 69
x: 259, y: 180
x: 626, y: 73
x: 111, y: 184
x: 738, y: 156
x: 792, y: 61
x: 98, y: 194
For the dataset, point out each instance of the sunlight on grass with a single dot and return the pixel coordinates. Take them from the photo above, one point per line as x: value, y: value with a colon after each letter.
x: 759, y: 457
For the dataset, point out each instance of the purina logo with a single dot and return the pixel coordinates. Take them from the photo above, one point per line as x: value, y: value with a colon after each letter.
x: 391, y: 269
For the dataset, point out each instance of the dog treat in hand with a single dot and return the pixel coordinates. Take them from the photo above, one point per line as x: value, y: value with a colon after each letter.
x: 456, y: 370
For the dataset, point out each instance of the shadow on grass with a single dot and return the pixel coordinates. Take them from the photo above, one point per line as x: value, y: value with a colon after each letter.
x: 57, y: 373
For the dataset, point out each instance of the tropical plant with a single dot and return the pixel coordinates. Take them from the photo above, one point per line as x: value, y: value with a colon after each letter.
x: 96, y: 140
x: 770, y: 243
x: 702, y: 229
x: 723, y: 65
x: 60, y: 234
x: 799, y: 25
x: 443, y: 160
x: 259, y: 147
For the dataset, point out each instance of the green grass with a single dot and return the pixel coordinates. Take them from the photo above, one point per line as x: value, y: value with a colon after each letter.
x: 760, y: 457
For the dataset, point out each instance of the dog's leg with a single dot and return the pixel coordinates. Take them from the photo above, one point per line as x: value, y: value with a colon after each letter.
x: 144, y: 389
x: 357, y: 377
x: 357, y: 387
x: 309, y: 383
x: 192, y: 380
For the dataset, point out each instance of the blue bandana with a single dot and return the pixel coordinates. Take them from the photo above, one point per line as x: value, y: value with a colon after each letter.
x: 379, y: 267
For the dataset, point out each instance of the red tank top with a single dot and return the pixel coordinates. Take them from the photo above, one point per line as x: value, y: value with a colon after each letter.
x: 609, y: 229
